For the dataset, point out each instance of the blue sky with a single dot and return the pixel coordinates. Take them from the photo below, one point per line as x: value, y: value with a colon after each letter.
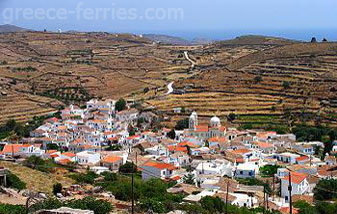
x: 201, y: 18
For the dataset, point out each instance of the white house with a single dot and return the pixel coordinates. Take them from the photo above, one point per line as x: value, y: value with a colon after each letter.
x: 299, y: 184
x: 153, y: 169
x: 246, y: 170
x: 215, y: 167
x: 88, y: 158
x: 287, y: 157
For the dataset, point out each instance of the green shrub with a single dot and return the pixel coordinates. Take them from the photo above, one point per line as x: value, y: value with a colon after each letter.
x: 14, y: 181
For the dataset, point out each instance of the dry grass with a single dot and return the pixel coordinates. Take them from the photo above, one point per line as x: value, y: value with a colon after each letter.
x: 36, y: 180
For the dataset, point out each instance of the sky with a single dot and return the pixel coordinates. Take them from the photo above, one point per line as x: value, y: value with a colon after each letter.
x: 212, y: 19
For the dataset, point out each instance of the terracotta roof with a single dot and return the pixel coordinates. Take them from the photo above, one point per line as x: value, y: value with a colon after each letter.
x: 286, y: 210
x: 239, y: 160
x: 264, y: 145
x: 217, y: 139
x: 11, y: 148
x: 51, y: 151
x: 178, y: 149
x: 302, y: 158
x: 159, y: 165
x: 133, y: 137
x: 202, y: 128
x: 64, y: 161
x: 69, y: 154
x: 241, y: 151
x: 111, y: 159
x: 296, y: 177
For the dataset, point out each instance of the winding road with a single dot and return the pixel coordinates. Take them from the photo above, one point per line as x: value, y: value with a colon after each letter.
x: 170, y: 88
x: 189, y: 59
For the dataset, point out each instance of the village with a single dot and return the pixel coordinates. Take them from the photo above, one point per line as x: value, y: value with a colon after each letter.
x: 243, y: 168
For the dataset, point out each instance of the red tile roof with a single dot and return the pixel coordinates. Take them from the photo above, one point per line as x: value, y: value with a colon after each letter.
x: 111, y: 159
x: 69, y: 154
x: 11, y: 148
x: 202, y: 128
x: 241, y: 151
x: 159, y: 165
x: 302, y: 158
x: 286, y: 210
x: 296, y: 177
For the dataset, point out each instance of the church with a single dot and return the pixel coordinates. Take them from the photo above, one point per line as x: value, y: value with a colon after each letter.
x: 213, y: 129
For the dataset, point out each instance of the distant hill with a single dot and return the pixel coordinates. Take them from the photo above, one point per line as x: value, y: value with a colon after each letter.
x: 173, y: 40
x: 257, y: 40
x: 11, y: 29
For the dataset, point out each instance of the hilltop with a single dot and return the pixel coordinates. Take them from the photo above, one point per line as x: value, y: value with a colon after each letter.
x: 11, y: 29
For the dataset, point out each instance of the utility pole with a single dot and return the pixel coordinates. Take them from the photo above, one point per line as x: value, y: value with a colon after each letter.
x: 132, y: 191
x: 227, y: 197
x: 290, y: 198
x: 264, y: 199
x: 273, y: 187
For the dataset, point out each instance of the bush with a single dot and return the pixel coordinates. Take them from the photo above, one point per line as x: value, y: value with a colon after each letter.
x: 12, y: 209
x: 14, y: 181
x: 57, y: 188
x: 88, y: 203
x: 88, y: 178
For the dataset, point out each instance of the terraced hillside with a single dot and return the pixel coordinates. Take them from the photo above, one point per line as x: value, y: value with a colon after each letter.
x: 298, y: 79
x: 41, y: 71
x: 249, y: 76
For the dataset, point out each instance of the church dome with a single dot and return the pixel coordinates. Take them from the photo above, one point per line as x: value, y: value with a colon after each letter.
x: 215, y: 121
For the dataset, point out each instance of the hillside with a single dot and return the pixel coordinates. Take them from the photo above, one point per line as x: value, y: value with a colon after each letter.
x: 274, y: 81
x: 249, y: 76
x: 11, y: 29
x: 41, y: 71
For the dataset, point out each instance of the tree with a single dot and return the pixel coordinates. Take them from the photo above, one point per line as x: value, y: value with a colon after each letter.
x: 146, y: 90
x: 326, y: 189
x: 313, y: 40
x: 52, y: 146
x: 189, y: 179
x: 232, y: 117
x: 171, y: 134
x: 286, y: 84
x: 57, y: 188
x: 120, y: 105
x: 269, y: 170
x: 34, y: 162
x: 128, y: 167
x: 182, y: 124
x: 324, y: 40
